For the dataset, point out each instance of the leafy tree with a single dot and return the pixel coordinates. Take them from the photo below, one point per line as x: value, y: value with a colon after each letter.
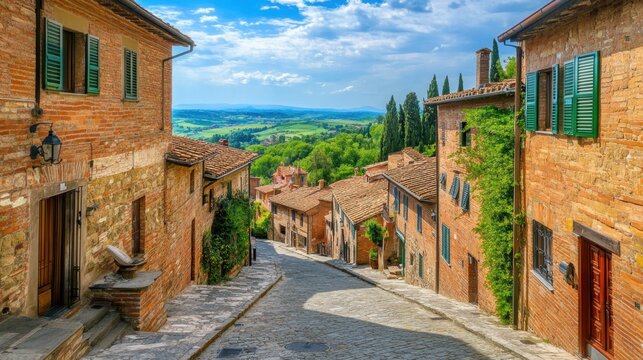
x: 413, y: 134
x: 510, y: 68
x: 375, y: 232
x: 460, y: 83
x: 495, y: 70
x: 402, y: 121
x: 391, y: 141
x: 445, y: 87
x: 489, y: 164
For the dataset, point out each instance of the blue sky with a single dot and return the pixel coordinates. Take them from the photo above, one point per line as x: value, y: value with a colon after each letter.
x: 330, y: 53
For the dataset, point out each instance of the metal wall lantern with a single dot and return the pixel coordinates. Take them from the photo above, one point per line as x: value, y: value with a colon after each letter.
x: 49, y: 150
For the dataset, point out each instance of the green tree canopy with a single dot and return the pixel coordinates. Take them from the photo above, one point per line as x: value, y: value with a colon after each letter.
x: 495, y: 67
x: 391, y: 141
x: 413, y: 128
x: 445, y: 86
x: 402, y: 121
x: 460, y: 83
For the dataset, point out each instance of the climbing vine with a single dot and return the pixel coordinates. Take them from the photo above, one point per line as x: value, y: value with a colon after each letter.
x: 261, y: 224
x: 227, y: 244
x: 489, y: 165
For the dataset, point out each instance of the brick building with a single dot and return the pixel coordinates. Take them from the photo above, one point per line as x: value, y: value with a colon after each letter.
x: 298, y: 217
x: 411, y: 198
x: 355, y: 201
x: 583, y: 270
x: 461, y: 274
x: 290, y: 175
x: 112, y: 115
x: 198, y: 174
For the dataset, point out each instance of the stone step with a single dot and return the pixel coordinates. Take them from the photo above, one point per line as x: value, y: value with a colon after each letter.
x: 395, y: 270
x: 91, y: 315
x: 120, y: 330
x: 102, y: 328
x: 46, y: 340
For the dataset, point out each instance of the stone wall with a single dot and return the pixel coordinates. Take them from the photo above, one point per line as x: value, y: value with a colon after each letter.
x: 595, y: 182
x: 113, y: 149
x: 455, y: 276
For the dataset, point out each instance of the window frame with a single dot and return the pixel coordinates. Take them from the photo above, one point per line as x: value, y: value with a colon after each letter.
x: 465, y: 134
x: 546, y: 74
x: 138, y: 226
x: 130, y: 94
x: 542, y: 254
x: 418, y: 217
x: 406, y: 207
x: 445, y: 249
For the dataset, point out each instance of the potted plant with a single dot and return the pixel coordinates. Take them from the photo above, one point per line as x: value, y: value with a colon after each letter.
x: 372, y: 258
x: 375, y: 233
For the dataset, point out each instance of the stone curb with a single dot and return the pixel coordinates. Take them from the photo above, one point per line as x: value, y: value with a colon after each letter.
x: 208, y: 339
x: 435, y: 310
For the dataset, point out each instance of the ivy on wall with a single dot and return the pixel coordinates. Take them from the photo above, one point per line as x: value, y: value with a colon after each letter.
x: 489, y: 165
x: 227, y: 244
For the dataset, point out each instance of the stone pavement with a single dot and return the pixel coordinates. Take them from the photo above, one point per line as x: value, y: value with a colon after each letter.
x: 200, y: 314
x: 317, y: 312
x: 521, y: 343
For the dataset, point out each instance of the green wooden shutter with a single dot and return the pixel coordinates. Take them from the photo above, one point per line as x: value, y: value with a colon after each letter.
x: 53, y: 64
x: 585, y: 118
x: 568, y: 97
x: 554, y: 99
x: 92, y: 68
x: 531, y: 99
x: 131, y: 74
x: 446, y: 243
x: 465, y: 196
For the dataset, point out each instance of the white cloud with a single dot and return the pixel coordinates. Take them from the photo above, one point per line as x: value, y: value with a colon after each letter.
x: 167, y: 13
x: 208, y: 18
x: 343, y: 90
x: 269, y: 7
x: 183, y: 23
x: 204, y: 11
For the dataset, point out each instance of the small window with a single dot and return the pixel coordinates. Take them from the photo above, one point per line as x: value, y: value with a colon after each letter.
x: 301, y: 179
x: 138, y: 226
x: 466, y: 190
x: 282, y: 230
x: 301, y: 219
x: 229, y: 188
x: 443, y: 181
x: 293, y: 215
x: 419, y: 217
x: 130, y: 74
x: 544, y: 100
x: 446, y: 244
x: 454, y: 191
x: 274, y: 209
x: 465, y: 134
x: 192, y: 181
x: 543, y: 261
x: 406, y: 207
x: 211, y: 200
x: 420, y: 266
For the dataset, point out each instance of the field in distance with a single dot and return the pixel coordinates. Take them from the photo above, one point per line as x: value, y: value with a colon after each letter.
x: 267, y: 123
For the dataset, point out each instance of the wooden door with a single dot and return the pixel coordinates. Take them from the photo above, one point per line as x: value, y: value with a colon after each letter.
x: 50, y: 253
x: 473, y: 279
x: 192, y: 250
x: 600, y: 300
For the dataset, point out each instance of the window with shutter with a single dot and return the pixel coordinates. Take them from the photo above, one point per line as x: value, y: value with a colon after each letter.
x: 92, y: 65
x: 454, y: 191
x: 531, y: 102
x: 465, y: 196
x: 554, y: 99
x: 443, y: 181
x: 130, y: 74
x: 406, y: 207
x: 585, y: 113
x: 568, y: 97
x: 418, y: 211
x: 446, y: 244
x: 53, y: 64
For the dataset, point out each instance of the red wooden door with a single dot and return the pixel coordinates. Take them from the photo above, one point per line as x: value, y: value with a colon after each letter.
x: 600, y: 300
x: 50, y: 253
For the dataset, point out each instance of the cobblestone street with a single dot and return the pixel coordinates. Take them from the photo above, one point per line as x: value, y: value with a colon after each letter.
x: 334, y: 315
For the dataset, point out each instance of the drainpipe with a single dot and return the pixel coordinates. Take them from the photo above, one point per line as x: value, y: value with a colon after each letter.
x: 163, y: 82
x: 37, y: 111
x: 517, y: 229
x: 437, y: 205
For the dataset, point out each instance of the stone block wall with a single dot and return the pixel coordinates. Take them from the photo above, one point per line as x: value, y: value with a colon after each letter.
x: 455, y: 276
x: 112, y: 148
x: 595, y: 182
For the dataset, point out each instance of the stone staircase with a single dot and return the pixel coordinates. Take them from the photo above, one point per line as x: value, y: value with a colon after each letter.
x: 88, y: 331
x: 393, y: 273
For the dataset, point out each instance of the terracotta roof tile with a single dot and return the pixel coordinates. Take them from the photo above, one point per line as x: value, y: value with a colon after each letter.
x: 418, y: 179
x: 219, y: 159
x: 360, y: 200
x: 303, y: 199
x: 412, y: 153
x: 289, y: 170
x: 502, y: 87
x: 265, y: 188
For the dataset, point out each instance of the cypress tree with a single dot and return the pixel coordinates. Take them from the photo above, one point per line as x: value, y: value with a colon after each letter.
x: 460, y: 83
x: 445, y: 86
x: 430, y: 115
x: 495, y: 68
x: 401, y: 120
x: 413, y: 134
x: 391, y: 133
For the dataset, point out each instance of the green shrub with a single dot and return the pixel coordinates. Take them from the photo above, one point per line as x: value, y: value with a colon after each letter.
x: 372, y: 254
x: 375, y: 232
x: 261, y: 225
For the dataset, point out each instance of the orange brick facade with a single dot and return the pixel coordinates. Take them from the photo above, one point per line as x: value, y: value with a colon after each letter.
x: 111, y: 161
x: 305, y: 232
x: 463, y: 278
x: 593, y: 182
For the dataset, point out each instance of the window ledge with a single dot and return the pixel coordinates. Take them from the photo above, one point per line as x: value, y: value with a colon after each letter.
x: 130, y: 100
x: 67, y: 93
x: 544, y: 132
x: 540, y: 278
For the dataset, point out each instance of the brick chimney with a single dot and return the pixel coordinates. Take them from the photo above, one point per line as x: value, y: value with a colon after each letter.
x: 321, y: 184
x: 223, y: 142
x: 482, y: 67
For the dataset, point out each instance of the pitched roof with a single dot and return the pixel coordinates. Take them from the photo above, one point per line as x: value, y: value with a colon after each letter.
x: 506, y: 87
x: 134, y: 12
x: 360, y: 200
x: 219, y: 160
x: 303, y: 199
x: 265, y: 188
x: 289, y: 170
x: 417, y: 179
x: 412, y: 153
